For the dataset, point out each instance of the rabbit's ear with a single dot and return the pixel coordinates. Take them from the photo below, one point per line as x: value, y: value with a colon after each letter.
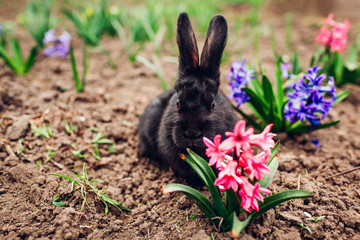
x: 189, y: 55
x: 214, y: 46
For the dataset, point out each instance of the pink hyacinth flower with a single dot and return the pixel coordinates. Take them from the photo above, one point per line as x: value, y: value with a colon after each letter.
x: 333, y: 34
x: 256, y: 165
x: 249, y: 194
x: 264, y: 140
x: 323, y: 36
x: 239, y: 139
x: 214, y: 152
x: 339, y: 36
x: 229, y: 177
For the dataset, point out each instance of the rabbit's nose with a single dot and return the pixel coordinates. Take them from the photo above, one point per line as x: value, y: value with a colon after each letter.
x: 192, y: 134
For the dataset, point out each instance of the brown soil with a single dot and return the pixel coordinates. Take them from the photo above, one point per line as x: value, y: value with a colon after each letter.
x: 113, y: 102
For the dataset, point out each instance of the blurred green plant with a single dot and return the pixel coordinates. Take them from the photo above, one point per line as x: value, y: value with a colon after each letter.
x: 89, y: 22
x: 13, y: 57
x: 37, y: 19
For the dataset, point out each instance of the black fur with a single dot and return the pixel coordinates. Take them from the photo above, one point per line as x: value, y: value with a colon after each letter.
x: 195, y: 108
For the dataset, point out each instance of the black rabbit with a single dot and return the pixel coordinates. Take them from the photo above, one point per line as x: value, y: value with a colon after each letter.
x: 195, y: 108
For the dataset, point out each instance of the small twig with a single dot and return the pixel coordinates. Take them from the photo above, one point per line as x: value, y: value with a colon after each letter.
x: 60, y: 166
x: 342, y: 173
x: 221, y: 221
x: 299, y: 178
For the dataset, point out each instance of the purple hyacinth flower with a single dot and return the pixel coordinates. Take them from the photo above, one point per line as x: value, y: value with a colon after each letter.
x: 311, y: 98
x: 239, y: 77
x: 1, y: 29
x: 58, y: 46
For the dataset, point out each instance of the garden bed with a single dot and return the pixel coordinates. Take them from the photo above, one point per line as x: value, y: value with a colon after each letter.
x: 113, y: 102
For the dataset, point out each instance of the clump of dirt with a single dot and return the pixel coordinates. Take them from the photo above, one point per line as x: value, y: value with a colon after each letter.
x: 112, y: 104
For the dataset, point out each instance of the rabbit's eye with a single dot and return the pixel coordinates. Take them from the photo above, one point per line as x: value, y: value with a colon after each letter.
x: 212, y: 105
x: 178, y: 104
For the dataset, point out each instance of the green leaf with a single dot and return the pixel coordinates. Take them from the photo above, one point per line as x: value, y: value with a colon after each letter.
x: 238, y: 225
x: 203, y: 164
x: 267, y: 89
x: 257, y: 101
x: 308, y: 128
x: 16, y: 51
x: 279, y: 86
x: 31, y: 59
x: 341, y: 96
x: 296, y: 69
x: 232, y: 201
x: 273, y: 152
x: 256, y: 85
x: 201, y: 201
x: 338, y: 67
x: 352, y: 59
x: 251, y: 120
x: 265, y: 181
x: 198, y: 167
x: 274, y: 200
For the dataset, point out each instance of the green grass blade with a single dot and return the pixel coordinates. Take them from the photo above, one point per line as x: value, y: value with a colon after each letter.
x: 84, y: 197
x: 308, y: 128
x: 85, y: 175
x: 65, y: 177
x: 274, y: 200
x: 106, y: 208
x: 201, y: 201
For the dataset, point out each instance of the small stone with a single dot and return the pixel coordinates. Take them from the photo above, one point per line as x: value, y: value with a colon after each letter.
x: 18, y: 128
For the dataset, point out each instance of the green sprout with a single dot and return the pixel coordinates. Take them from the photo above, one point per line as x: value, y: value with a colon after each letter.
x: 79, y: 154
x: 315, y: 220
x: 99, y: 140
x: 86, y: 186
x: 59, y: 202
x: 305, y: 227
x: 45, y: 131
x: 50, y: 155
x: 70, y: 129
x: 177, y: 227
